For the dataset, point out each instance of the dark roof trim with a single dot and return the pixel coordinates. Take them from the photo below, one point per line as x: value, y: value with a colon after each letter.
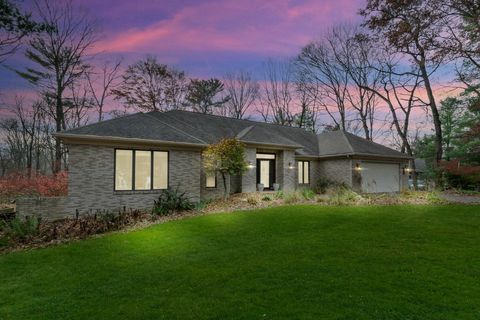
x: 85, y: 137
x: 262, y: 144
x: 367, y: 155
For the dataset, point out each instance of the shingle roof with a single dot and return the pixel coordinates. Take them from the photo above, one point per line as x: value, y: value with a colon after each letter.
x: 344, y: 143
x: 195, y: 128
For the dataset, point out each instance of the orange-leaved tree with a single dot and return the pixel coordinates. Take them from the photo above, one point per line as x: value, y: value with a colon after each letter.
x: 226, y: 157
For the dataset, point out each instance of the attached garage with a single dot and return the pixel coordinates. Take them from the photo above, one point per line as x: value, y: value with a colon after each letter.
x: 380, y: 177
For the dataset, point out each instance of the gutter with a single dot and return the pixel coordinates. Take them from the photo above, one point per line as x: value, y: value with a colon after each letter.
x: 109, y: 139
x: 406, y: 157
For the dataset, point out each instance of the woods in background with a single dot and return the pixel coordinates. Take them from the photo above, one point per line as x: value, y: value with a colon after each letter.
x: 375, y: 79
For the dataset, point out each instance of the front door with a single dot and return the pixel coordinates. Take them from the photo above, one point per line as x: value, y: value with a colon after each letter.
x: 266, y: 172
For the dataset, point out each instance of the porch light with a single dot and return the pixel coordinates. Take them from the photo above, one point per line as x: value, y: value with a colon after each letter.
x: 291, y: 166
x: 357, y: 167
x: 250, y: 165
x: 407, y: 170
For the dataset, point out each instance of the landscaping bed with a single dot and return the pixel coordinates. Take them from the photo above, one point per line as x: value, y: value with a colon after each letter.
x: 20, y: 234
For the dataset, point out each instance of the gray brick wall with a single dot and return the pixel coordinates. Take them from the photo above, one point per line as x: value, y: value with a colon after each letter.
x: 90, y: 183
x: 249, y: 178
x: 339, y: 170
x: 287, y: 177
x: 51, y: 208
x: 91, y: 173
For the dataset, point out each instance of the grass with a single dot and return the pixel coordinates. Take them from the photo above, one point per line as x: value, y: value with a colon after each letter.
x: 297, y: 262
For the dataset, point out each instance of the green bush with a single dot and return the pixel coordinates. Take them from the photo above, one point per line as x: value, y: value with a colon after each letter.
x: 322, y: 185
x: 202, y: 204
x: 291, y: 198
x: 22, y: 229
x: 4, y: 242
x: 266, y: 198
x: 172, y: 200
x: 343, y: 195
x: 279, y: 194
x: 308, y: 194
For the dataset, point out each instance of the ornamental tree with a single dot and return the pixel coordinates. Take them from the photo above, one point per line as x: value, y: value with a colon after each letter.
x: 226, y: 157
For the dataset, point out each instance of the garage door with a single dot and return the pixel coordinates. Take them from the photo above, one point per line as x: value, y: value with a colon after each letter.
x: 380, y: 177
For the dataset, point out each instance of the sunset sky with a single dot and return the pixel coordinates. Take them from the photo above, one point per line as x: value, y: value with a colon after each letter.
x: 204, y: 38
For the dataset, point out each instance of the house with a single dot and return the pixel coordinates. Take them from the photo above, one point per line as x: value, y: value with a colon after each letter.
x: 127, y: 161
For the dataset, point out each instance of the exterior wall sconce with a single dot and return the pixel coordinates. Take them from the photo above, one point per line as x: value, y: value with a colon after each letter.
x: 291, y: 166
x: 407, y: 170
x: 357, y: 167
x: 250, y: 165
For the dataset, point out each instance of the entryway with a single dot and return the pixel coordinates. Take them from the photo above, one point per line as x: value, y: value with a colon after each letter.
x: 266, y: 170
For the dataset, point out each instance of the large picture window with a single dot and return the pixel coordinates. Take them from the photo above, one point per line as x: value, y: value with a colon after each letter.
x: 140, y: 170
x: 303, y: 172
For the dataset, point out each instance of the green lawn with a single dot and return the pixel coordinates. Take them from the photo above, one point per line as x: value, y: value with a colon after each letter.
x: 298, y: 262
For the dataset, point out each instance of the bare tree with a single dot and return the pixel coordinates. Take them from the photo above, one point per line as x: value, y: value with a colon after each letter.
x: 276, y: 100
x: 354, y: 51
x: 152, y: 86
x: 78, y: 106
x: 243, y: 92
x: 59, y: 55
x: 414, y: 29
x: 101, y: 83
x: 319, y: 64
x: 307, y: 97
x: 21, y: 132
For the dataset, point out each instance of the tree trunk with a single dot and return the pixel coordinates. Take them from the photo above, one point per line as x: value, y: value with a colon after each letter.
x: 57, y: 167
x: 226, y: 186
x: 436, y: 122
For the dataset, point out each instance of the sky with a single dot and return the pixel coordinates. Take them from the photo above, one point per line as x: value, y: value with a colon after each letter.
x: 206, y: 38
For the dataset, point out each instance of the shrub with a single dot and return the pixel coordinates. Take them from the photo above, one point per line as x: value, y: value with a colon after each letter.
x: 202, y: 204
x: 322, y: 185
x: 342, y: 195
x: 4, y: 242
x: 308, y: 194
x: 252, y: 200
x: 19, y: 184
x: 279, y: 194
x: 266, y: 198
x: 172, y: 200
x: 291, y: 198
x: 22, y: 229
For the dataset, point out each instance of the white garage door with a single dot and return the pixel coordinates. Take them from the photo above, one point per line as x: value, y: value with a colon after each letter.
x: 380, y: 177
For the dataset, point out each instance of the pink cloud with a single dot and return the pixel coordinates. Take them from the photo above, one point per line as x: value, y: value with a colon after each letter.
x: 269, y: 27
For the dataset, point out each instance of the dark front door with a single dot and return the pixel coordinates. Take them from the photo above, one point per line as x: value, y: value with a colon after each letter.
x: 266, y: 172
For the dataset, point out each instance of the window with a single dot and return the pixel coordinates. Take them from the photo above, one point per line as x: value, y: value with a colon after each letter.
x: 123, y: 169
x: 160, y: 170
x: 303, y: 172
x: 141, y: 170
x: 265, y: 156
x: 211, y: 181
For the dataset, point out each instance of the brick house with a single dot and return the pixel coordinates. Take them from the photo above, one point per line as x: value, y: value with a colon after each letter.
x: 127, y: 161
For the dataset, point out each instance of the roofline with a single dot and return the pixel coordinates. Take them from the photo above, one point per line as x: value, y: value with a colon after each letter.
x: 334, y: 155
x: 262, y: 144
x: 95, y: 138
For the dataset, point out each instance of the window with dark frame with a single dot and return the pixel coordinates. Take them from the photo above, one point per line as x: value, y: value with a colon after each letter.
x: 140, y: 170
x: 303, y: 172
x: 210, y: 180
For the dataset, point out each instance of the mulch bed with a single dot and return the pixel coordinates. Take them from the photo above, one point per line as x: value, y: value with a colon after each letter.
x: 71, y: 229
